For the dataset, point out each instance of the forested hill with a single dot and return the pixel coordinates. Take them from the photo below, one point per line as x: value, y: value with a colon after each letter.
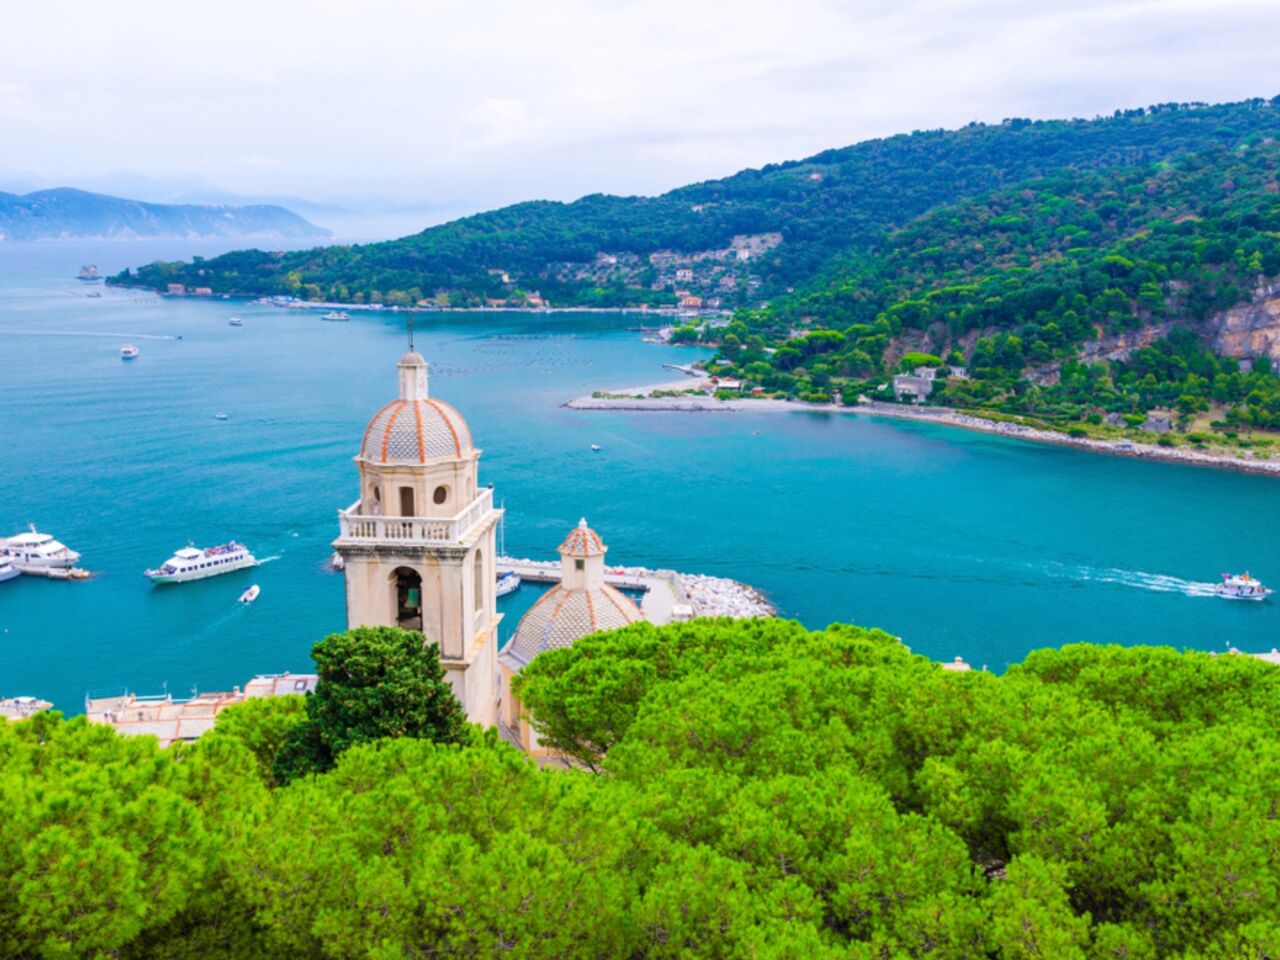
x: 66, y: 214
x: 742, y: 239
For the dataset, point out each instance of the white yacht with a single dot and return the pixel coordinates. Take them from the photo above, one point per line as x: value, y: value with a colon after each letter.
x: 7, y: 570
x: 129, y: 351
x: 508, y: 582
x: 37, y: 552
x: 192, y: 563
x: 338, y: 315
x: 1240, y: 586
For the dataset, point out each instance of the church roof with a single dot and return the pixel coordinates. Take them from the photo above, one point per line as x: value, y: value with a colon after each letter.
x: 562, y: 616
x: 416, y: 431
x: 582, y: 541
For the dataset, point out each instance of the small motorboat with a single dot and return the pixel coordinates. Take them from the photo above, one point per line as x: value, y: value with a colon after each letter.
x: 595, y: 447
x: 220, y: 416
x: 236, y: 322
x: 336, y: 562
x: 129, y: 351
x: 1240, y: 586
x: 338, y: 316
x: 251, y: 594
x: 508, y: 582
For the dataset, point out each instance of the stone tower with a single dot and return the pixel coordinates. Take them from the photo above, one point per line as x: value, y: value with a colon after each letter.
x: 418, y: 547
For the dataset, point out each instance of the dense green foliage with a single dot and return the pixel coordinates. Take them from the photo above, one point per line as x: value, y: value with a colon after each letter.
x: 1013, y: 284
x: 374, y: 683
x: 821, y: 207
x: 764, y: 791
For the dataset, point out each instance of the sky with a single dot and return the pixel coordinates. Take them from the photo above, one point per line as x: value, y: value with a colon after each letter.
x: 458, y: 105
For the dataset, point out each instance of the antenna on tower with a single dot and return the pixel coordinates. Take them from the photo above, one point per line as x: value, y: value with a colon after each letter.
x: 411, y: 333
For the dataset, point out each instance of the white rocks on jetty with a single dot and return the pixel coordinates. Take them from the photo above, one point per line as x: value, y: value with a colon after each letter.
x: 721, y: 597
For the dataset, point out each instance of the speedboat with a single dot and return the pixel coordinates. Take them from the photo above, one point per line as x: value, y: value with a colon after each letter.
x: 595, y: 447
x: 193, y: 563
x: 37, y: 552
x: 237, y: 322
x: 338, y: 315
x: 220, y: 416
x: 1240, y: 586
x: 129, y: 351
x: 251, y: 594
x: 508, y: 582
x: 7, y: 570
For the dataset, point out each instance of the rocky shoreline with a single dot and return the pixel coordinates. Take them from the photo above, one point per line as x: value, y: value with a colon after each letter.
x: 1245, y: 462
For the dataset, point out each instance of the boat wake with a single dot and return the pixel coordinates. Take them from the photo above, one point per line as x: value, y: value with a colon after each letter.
x: 86, y: 333
x: 262, y: 560
x: 1141, y: 580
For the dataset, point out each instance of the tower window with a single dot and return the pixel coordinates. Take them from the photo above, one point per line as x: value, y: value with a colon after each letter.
x: 441, y: 495
x: 406, y: 501
x: 578, y: 564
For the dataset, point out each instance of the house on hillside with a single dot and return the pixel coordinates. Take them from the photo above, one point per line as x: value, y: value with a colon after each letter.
x: 913, y: 388
x: 176, y: 289
x: 684, y: 275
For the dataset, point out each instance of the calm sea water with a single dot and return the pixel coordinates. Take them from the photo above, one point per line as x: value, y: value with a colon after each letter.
x: 962, y: 544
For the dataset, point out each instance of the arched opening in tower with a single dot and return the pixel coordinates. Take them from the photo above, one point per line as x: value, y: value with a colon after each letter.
x: 408, y: 584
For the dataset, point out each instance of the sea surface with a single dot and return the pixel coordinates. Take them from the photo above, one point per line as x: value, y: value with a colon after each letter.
x: 963, y: 544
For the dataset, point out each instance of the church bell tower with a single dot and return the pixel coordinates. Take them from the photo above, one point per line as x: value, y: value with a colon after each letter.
x: 418, y: 547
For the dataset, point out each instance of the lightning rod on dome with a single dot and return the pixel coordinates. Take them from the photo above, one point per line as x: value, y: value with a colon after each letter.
x: 411, y: 333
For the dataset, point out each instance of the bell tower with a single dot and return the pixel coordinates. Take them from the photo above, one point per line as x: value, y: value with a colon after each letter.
x: 418, y: 547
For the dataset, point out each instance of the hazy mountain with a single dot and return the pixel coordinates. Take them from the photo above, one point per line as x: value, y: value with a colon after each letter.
x: 68, y: 214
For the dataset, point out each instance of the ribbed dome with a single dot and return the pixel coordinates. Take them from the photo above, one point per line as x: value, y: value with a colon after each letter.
x: 562, y: 616
x: 415, y: 431
x: 415, y: 428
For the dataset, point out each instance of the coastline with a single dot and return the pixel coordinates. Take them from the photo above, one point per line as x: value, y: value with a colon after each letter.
x: 941, y: 415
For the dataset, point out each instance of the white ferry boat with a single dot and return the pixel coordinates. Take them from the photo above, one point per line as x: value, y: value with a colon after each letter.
x: 192, y: 563
x: 36, y: 552
x: 508, y: 582
x: 338, y: 315
x: 7, y: 570
x: 129, y: 351
x: 1240, y: 586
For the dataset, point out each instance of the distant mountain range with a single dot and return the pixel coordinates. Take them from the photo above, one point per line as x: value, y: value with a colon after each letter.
x: 68, y: 214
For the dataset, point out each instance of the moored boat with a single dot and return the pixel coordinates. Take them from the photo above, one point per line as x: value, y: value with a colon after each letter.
x: 338, y: 315
x: 508, y: 582
x: 193, y: 563
x: 1240, y: 586
x: 37, y: 552
x: 129, y: 351
x: 7, y: 570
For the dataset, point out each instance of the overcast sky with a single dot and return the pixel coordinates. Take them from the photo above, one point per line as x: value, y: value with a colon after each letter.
x: 489, y: 102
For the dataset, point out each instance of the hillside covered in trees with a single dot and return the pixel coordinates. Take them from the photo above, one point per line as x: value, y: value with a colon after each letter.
x: 742, y: 239
x: 744, y: 789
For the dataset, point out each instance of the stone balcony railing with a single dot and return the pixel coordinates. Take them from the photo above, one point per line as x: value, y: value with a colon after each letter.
x: 355, y: 527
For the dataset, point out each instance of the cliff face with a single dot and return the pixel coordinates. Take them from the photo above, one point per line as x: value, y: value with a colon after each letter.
x: 1250, y: 330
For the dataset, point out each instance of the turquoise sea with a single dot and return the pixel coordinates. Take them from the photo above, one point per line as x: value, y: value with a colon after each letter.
x: 962, y: 544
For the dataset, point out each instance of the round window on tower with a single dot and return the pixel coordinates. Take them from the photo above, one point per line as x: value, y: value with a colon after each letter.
x: 441, y: 495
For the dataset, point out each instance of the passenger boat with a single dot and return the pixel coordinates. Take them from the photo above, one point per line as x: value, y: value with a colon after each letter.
x: 129, y: 351
x: 508, y: 582
x: 7, y: 570
x: 236, y: 322
x: 192, y: 563
x: 338, y: 315
x: 251, y: 594
x: 37, y: 552
x: 1240, y: 586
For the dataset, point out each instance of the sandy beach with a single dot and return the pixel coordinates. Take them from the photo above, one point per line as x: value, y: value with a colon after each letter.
x: 1244, y: 460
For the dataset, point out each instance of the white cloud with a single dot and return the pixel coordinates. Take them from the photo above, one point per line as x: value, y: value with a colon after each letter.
x: 499, y: 100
